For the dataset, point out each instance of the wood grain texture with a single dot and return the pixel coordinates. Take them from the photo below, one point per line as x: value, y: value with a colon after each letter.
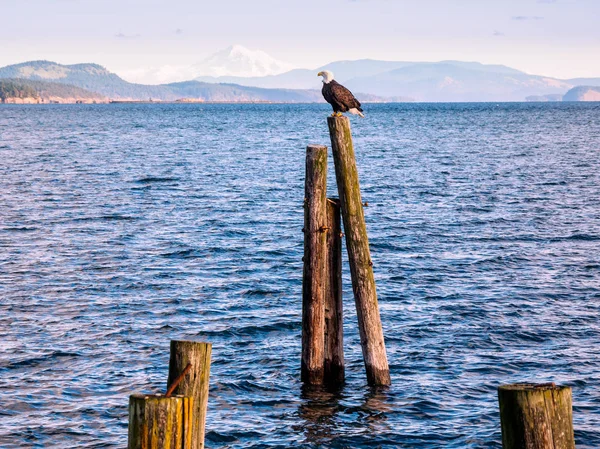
x: 313, y: 279
x: 158, y: 422
x: 195, y: 384
x: 359, y: 255
x: 536, y: 416
x: 334, y: 309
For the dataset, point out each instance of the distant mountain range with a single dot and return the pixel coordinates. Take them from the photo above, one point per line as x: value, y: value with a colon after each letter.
x: 370, y: 80
x: 583, y: 93
x: 96, y: 79
x: 451, y: 81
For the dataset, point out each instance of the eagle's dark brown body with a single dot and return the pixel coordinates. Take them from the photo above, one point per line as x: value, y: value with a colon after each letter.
x: 340, y: 98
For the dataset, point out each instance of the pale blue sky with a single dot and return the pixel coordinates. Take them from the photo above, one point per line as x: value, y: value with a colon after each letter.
x: 551, y: 37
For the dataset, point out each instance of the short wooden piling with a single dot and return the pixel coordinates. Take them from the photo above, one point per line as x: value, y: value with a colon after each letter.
x: 158, y: 422
x: 536, y: 416
x: 334, y: 329
x: 357, y: 243
x: 313, y: 280
x: 195, y: 384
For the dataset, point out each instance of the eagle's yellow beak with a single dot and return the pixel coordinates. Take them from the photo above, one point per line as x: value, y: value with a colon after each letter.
x: 320, y: 74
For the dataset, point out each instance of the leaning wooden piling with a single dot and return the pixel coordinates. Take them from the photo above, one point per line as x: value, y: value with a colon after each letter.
x: 195, y: 383
x: 313, y: 279
x: 536, y: 416
x: 334, y: 328
x: 357, y: 244
x: 158, y: 422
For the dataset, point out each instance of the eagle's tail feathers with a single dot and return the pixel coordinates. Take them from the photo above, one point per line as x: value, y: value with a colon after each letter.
x: 357, y: 111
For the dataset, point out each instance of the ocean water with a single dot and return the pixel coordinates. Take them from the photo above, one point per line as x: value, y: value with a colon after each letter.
x: 125, y: 226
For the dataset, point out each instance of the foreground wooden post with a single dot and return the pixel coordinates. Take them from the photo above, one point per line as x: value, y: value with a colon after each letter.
x: 536, y: 416
x: 158, y: 422
x: 334, y: 329
x: 313, y: 280
x: 359, y: 255
x: 195, y: 383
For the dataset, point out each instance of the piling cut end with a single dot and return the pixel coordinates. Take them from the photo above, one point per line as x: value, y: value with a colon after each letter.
x: 338, y: 119
x: 527, y: 386
x: 536, y: 415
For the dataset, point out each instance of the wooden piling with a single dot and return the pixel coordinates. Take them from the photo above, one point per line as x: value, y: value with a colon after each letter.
x: 536, y: 416
x: 357, y: 244
x: 195, y: 384
x: 158, y: 422
x: 334, y: 329
x: 313, y: 280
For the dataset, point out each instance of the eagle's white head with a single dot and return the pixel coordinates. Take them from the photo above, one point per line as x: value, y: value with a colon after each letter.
x: 327, y: 76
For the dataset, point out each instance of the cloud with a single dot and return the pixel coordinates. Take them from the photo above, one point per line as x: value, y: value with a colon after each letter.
x: 498, y: 33
x: 178, y: 31
x: 127, y: 36
x: 523, y: 18
x: 546, y: 1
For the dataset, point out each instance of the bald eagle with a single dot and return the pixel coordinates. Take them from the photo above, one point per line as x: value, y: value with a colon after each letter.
x: 340, y: 98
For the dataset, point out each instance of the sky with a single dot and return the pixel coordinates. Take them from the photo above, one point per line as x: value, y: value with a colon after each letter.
x: 559, y: 38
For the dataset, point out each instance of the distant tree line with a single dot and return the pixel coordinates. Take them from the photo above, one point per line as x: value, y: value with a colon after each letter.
x: 25, y: 88
x: 15, y: 89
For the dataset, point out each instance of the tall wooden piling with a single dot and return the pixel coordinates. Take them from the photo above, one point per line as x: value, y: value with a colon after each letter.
x: 313, y: 280
x: 334, y: 329
x: 359, y: 255
x: 195, y: 384
x: 158, y: 422
x: 536, y: 416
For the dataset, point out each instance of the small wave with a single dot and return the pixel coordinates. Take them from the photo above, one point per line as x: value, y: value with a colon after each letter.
x: 553, y: 183
x: 34, y: 361
x: 260, y: 292
x: 19, y: 229
x: 155, y: 179
x: 244, y: 386
x: 184, y: 254
x: 113, y: 217
x: 252, y: 330
x: 576, y: 236
x: 217, y: 437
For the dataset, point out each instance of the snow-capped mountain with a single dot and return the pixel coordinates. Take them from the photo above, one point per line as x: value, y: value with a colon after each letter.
x: 233, y: 61
x: 240, y: 61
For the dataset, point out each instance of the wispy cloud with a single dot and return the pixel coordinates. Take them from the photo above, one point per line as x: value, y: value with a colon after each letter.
x: 523, y: 18
x: 178, y: 31
x: 127, y: 36
x: 498, y: 33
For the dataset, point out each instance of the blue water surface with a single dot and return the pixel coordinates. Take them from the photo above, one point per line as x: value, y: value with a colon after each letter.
x: 125, y: 226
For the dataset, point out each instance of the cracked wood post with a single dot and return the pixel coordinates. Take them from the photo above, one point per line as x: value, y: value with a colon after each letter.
x: 195, y: 383
x: 313, y: 279
x: 359, y: 256
x: 536, y: 416
x: 158, y: 422
x: 334, y: 330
